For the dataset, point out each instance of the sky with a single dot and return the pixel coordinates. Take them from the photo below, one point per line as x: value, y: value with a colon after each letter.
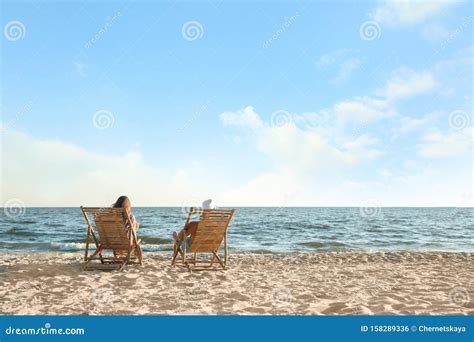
x: 250, y: 103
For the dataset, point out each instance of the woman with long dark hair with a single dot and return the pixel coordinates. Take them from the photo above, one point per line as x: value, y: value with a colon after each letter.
x: 132, y: 224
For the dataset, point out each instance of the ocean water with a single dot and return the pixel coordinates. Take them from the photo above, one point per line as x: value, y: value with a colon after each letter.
x: 270, y: 230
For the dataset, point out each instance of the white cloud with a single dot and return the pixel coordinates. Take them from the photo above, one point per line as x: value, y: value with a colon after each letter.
x: 52, y: 173
x: 268, y: 189
x: 343, y: 60
x: 362, y: 109
x: 246, y: 117
x: 402, y: 84
x: 435, y: 33
x: 405, y: 82
x: 331, y: 58
x: 300, y: 151
x: 346, y: 69
x: 410, y: 124
x: 404, y: 12
x: 454, y: 143
x: 455, y: 74
x: 80, y: 68
x: 360, y: 148
x: 318, y: 168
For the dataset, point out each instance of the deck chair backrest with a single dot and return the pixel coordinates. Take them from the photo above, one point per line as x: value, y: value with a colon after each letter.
x: 211, y: 230
x: 110, y: 224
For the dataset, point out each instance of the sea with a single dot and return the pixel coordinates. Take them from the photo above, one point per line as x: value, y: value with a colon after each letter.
x: 260, y: 230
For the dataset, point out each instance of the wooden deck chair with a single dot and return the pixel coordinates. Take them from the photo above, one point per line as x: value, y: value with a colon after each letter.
x: 210, y: 233
x: 106, y: 230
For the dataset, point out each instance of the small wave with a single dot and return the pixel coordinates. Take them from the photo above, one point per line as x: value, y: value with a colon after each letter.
x: 69, y: 246
x: 318, y: 245
x: 25, y: 246
x: 260, y: 251
x: 339, y: 221
x: 269, y: 243
x: 20, y: 232
x: 74, y: 240
x: 22, y: 221
x: 168, y: 216
x: 315, y: 226
x: 153, y: 240
x: 55, y: 225
x: 397, y: 221
x: 157, y: 248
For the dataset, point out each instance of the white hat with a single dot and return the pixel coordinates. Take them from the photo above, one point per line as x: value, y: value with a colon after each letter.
x: 207, y: 204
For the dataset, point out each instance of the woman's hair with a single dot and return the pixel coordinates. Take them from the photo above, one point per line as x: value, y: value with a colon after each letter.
x: 123, y: 202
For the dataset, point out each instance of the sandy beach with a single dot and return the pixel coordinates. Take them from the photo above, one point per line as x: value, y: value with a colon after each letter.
x: 254, y: 284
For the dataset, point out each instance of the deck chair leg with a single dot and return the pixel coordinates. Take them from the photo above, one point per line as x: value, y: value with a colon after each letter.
x: 140, y: 256
x: 97, y: 251
x: 122, y: 265
x: 218, y: 259
x: 226, y: 252
x: 87, y: 246
x: 183, y: 252
x: 212, y: 260
x: 101, y: 258
x: 176, y: 250
x: 126, y: 261
x: 86, y: 256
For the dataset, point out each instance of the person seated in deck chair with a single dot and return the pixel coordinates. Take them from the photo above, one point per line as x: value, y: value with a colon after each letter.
x: 124, y: 202
x: 190, y: 229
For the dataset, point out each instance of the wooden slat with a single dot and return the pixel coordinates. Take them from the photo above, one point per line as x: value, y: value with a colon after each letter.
x: 115, y: 234
x: 109, y: 220
x: 102, y: 209
x: 211, y: 230
x: 208, y: 237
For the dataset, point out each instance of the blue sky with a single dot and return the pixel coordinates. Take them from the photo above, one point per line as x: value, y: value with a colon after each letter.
x: 259, y: 103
